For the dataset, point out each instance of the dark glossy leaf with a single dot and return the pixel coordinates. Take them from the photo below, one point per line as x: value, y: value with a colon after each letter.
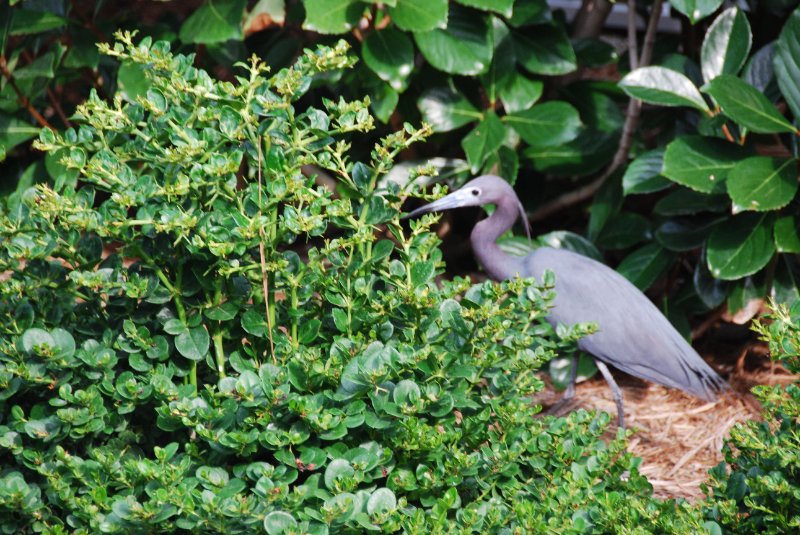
x: 699, y: 163
x: 545, y: 50
x: 14, y: 131
x: 504, y: 7
x: 643, y: 175
x: 563, y: 239
x: 28, y: 21
x: 746, y: 105
x: 464, y: 47
x: 645, y: 265
x: 552, y: 123
x: 383, y: 100
x: 624, y: 230
x: 741, y: 247
x: 527, y: 12
x: 659, y: 85
x: 594, y: 53
x: 446, y: 109
x: 786, y: 284
x: 685, y: 234
x: 726, y: 45
x: 761, y: 183
x: 419, y: 15
x: 390, y: 54
x: 606, y: 204
x: 131, y: 81
x: 193, y: 343
x: 787, y: 235
x: 696, y: 10
x: 787, y: 62
x: 587, y: 153
x: 685, y: 201
x: 710, y: 290
x: 759, y: 71
x: 216, y: 21
x: 484, y: 139
x: 518, y: 92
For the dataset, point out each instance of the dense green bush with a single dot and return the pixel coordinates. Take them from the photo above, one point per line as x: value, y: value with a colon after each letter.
x: 147, y: 384
x: 757, y: 488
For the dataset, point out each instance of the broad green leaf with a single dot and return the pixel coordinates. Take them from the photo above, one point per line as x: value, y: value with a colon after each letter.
x: 464, y: 47
x: 741, y: 247
x: 419, y: 15
x: 645, y: 265
x: 504, y: 61
x: 787, y: 235
x: 699, y: 162
x: 216, y: 21
x: 696, y: 10
x: 594, y: 53
x: 759, y: 71
x: 14, y: 131
x: 390, y: 54
x: 786, y: 284
x: 28, y: 21
x: 587, y: 153
x: 131, y: 81
x: 518, y: 92
x: 605, y: 205
x: 685, y: 201
x: 382, y: 100
x: 564, y: 239
x: 279, y: 523
x: 685, y: 234
x: 193, y: 343
x: 726, y: 45
x: 527, y: 12
x: 381, y: 501
x: 42, y: 67
x: 332, y: 16
x: 746, y: 105
x: 484, y: 139
x: 446, y: 109
x: 337, y: 469
x: 545, y: 50
x: 504, y: 7
x: 659, y: 85
x: 712, y: 292
x: 624, y: 230
x: 643, y: 175
x: 552, y: 123
x: 787, y: 62
x: 761, y: 183
x: 34, y: 339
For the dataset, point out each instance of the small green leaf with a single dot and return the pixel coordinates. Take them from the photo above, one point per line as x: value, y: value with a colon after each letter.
x: 696, y: 10
x: 698, y: 162
x: 421, y: 272
x: 390, y: 54
x: 624, y: 230
x: 552, y: 123
x: 761, y: 183
x: 726, y: 45
x: 659, y: 85
x: 446, y: 109
x: 14, y: 131
x: 34, y: 338
x: 746, y: 105
x: 518, y: 92
x: 545, y: 49
x: 645, y: 265
x: 741, y: 247
x: 643, y: 175
x: 336, y: 470
x: 484, y: 139
x: 787, y: 235
x: 193, y: 343
x: 787, y: 62
x: 464, y: 47
x: 216, y: 21
x: 419, y: 15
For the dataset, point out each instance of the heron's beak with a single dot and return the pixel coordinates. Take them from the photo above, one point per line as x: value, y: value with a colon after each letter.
x: 457, y: 199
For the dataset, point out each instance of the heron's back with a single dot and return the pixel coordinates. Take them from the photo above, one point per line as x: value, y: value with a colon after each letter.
x: 633, y: 335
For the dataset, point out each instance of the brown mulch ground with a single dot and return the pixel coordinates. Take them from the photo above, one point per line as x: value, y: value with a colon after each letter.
x: 678, y: 437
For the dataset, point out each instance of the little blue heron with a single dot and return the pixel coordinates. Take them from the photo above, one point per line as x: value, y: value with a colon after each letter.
x: 632, y: 335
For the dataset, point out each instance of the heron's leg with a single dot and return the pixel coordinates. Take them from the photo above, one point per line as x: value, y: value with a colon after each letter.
x: 615, y: 391
x: 569, y: 393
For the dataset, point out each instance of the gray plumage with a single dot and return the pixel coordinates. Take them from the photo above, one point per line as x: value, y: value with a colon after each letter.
x: 632, y: 335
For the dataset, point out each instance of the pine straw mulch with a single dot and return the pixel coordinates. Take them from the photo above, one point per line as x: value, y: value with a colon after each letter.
x: 678, y: 437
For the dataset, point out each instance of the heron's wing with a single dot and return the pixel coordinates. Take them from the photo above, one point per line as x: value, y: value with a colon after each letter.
x: 633, y: 335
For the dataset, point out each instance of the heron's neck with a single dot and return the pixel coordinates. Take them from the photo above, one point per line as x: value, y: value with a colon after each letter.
x: 498, y: 264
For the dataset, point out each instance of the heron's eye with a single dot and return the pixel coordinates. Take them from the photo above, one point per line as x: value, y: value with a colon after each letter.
x: 476, y: 192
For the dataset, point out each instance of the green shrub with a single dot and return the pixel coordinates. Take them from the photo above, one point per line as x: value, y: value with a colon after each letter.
x: 757, y: 488
x: 148, y: 385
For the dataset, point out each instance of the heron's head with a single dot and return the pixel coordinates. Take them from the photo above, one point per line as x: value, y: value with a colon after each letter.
x: 486, y: 189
